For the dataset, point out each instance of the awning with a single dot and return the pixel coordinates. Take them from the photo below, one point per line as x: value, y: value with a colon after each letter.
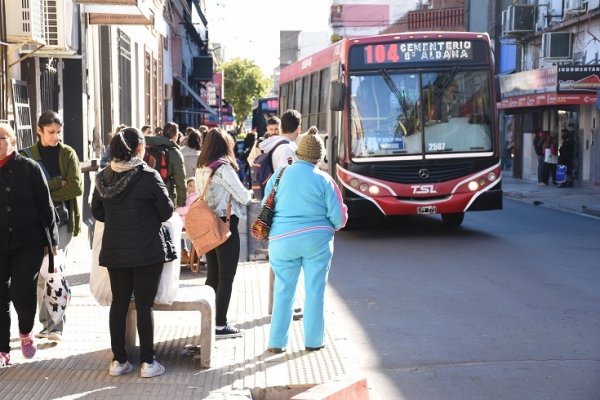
x: 546, y: 99
x: 199, y: 99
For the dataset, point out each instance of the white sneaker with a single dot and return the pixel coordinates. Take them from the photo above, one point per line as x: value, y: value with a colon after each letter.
x: 117, y: 369
x: 55, y: 336
x: 151, y: 370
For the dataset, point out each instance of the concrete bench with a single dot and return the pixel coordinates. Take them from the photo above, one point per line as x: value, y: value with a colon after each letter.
x: 199, y: 298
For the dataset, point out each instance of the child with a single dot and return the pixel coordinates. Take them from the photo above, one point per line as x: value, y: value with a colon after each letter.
x: 191, y: 196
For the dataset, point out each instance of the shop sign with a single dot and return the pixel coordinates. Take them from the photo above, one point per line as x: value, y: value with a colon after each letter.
x: 578, y: 78
x: 528, y: 82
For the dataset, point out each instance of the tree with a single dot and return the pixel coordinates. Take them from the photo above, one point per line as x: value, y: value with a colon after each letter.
x: 243, y: 81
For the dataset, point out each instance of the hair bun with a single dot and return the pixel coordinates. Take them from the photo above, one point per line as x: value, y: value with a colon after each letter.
x: 312, y: 130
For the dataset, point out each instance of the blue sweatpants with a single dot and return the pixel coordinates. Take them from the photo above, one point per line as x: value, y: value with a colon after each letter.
x: 311, y: 252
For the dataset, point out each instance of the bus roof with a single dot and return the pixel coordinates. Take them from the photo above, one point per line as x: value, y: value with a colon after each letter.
x: 336, y: 52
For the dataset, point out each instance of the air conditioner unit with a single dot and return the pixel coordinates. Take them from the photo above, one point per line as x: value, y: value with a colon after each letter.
x: 557, y: 45
x: 60, y: 30
x: 575, y: 6
x: 25, y: 21
x: 518, y: 19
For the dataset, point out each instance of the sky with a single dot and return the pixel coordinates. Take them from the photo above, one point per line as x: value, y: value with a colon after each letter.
x: 250, y: 29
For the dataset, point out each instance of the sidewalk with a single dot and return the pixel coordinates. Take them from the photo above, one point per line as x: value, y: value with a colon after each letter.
x: 583, y: 198
x: 77, y: 367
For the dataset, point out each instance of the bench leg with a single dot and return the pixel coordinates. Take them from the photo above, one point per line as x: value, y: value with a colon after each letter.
x: 131, y: 330
x: 207, y: 326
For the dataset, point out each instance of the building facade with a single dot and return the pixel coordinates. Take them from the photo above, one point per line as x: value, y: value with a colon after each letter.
x: 101, y: 63
x: 555, y: 82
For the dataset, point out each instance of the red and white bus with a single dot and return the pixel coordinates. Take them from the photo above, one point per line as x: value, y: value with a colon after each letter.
x: 409, y: 121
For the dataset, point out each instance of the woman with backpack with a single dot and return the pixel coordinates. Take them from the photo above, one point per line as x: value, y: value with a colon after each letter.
x: 217, y: 160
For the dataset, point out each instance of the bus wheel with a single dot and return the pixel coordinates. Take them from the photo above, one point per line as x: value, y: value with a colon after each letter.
x: 453, y: 220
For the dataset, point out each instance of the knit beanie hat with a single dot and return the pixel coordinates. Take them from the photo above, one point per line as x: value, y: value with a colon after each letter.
x: 311, y: 147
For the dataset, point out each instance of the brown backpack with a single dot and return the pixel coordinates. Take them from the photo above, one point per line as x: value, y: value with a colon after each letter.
x: 204, y: 228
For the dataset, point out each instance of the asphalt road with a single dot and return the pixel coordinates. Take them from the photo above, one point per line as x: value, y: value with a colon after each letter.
x: 506, y: 307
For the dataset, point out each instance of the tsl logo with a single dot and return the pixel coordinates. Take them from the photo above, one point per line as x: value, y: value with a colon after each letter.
x: 423, y: 189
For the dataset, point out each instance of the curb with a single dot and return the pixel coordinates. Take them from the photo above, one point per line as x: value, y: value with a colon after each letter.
x: 339, y: 389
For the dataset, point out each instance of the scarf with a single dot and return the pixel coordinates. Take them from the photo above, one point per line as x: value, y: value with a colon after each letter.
x: 124, y: 166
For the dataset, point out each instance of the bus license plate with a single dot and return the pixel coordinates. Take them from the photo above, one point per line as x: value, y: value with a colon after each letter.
x: 427, y: 210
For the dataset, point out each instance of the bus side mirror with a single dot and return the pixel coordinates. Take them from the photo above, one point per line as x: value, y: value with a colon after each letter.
x: 337, y: 96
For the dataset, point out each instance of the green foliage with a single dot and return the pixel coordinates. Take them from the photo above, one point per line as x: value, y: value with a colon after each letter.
x: 244, y: 82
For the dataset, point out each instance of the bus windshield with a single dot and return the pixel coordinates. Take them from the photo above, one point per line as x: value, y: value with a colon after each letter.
x: 398, y: 113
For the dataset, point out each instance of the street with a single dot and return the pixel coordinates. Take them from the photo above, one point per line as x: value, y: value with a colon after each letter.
x: 506, y: 307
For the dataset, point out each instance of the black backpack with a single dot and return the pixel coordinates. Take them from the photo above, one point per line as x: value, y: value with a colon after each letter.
x: 157, y: 157
x: 262, y: 169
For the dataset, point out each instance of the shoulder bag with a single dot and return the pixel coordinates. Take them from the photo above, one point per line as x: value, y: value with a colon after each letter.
x: 262, y: 226
x: 204, y: 228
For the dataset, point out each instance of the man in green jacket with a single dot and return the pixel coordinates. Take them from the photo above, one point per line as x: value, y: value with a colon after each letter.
x: 176, y: 171
x: 60, y: 164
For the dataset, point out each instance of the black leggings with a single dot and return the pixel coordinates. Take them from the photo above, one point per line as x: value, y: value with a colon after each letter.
x: 143, y: 283
x: 221, y: 264
x: 20, y: 268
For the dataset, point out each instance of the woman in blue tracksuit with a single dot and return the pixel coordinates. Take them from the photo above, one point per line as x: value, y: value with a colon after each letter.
x: 308, y: 210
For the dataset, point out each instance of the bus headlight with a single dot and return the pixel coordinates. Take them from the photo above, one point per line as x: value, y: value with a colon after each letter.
x: 374, y: 190
x: 492, y: 176
x: 354, y: 182
x: 363, y: 187
x: 473, y: 186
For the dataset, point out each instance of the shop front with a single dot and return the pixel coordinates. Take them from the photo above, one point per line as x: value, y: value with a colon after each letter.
x: 552, y: 99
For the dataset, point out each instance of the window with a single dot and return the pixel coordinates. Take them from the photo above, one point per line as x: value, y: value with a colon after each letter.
x: 124, y: 78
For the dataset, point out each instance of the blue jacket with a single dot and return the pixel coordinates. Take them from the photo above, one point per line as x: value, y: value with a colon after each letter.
x: 307, y: 200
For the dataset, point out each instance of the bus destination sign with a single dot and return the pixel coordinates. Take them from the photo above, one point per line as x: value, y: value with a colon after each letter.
x: 422, y: 52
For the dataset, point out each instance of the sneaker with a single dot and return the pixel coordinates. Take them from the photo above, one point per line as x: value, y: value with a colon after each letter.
x: 42, y: 334
x: 55, y: 336
x: 4, y: 359
x: 117, y: 369
x: 228, y: 332
x: 28, y: 348
x: 151, y: 370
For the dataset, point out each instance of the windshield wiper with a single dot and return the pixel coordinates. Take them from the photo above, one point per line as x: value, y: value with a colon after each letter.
x: 388, y: 80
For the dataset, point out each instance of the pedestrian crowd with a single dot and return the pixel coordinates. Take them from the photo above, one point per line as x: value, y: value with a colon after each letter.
x: 145, y: 179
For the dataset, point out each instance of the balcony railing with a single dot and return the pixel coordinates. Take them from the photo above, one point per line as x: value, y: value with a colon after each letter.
x: 437, y: 19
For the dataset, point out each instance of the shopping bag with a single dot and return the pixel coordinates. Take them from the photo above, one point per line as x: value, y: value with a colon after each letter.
x: 99, y: 279
x: 57, y: 292
x: 561, y: 173
x: 169, y: 278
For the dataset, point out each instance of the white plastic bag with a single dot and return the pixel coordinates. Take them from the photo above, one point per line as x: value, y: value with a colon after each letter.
x: 99, y: 279
x: 57, y: 292
x: 169, y: 279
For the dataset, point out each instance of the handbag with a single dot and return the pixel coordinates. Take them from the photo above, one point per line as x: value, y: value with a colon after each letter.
x: 204, y: 228
x: 61, y: 213
x: 262, y: 225
x: 57, y: 291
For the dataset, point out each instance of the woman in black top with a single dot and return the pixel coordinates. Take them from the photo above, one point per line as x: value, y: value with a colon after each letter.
x: 132, y: 201
x: 27, y: 225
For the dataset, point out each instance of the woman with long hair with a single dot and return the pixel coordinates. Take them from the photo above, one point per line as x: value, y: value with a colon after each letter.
x: 217, y: 160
